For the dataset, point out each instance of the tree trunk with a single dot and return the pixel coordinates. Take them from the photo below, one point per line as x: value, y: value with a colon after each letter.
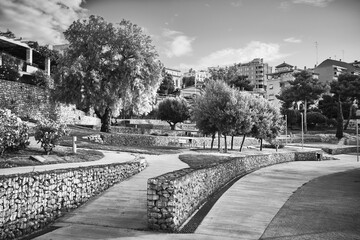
x: 242, y: 143
x: 225, y: 150
x: 232, y: 142
x: 305, y: 113
x: 340, y: 121
x: 106, y: 120
x: 349, y: 117
x: 261, y: 144
x: 212, y: 141
x: 219, y: 138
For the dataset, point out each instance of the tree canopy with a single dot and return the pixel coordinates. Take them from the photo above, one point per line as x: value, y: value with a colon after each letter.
x: 304, y: 88
x: 167, y: 84
x: 173, y: 110
x: 109, y: 68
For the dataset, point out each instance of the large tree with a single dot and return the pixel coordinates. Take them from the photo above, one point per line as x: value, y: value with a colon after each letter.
x: 167, y: 84
x: 346, y: 90
x: 304, y: 88
x: 173, y: 110
x: 108, y: 67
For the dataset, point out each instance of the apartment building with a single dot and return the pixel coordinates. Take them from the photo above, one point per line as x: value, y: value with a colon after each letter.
x: 279, y: 80
x: 256, y: 70
x: 329, y: 70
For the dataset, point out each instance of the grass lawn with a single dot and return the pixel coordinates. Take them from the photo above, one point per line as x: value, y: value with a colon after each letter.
x: 80, y: 132
x: 22, y: 157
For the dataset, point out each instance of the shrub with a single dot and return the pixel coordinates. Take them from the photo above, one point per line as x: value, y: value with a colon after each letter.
x: 332, y: 122
x: 9, y: 73
x: 48, y: 133
x: 314, y: 118
x: 13, y: 132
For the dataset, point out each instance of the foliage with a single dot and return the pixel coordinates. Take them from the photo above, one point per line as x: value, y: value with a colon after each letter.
x: 346, y: 89
x: 48, y: 132
x: 304, y: 88
x: 167, y: 84
x: 229, y: 111
x: 8, y: 34
x: 9, y: 73
x: 231, y: 76
x: 41, y: 79
x: 13, y: 132
x: 188, y: 81
x: 268, y: 122
x: 315, y: 118
x: 173, y: 110
x: 109, y: 68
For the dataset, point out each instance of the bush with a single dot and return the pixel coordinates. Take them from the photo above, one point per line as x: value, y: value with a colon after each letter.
x: 315, y: 118
x: 13, y: 132
x: 9, y: 73
x: 332, y: 122
x: 49, y: 132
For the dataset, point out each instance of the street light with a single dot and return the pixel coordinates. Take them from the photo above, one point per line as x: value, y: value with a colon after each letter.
x: 302, y: 130
x: 357, y: 135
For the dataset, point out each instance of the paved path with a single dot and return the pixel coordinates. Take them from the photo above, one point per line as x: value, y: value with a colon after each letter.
x: 248, y: 207
x: 327, y: 207
x: 243, y: 212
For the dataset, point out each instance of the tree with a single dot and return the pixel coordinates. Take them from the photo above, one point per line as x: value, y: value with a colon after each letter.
x: 109, y: 68
x: 188, y: 81
x: 347, y: 90
x: 304, y: 88
x: 173, y: 110
x: 212, y: 111
x: 167, y: 84
x: 8, y: 34
x: 242, y: 83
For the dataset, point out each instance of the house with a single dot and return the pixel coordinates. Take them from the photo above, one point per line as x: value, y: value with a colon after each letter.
x: 329, y: 70
x: 176, y: 76
x: 28, y: 59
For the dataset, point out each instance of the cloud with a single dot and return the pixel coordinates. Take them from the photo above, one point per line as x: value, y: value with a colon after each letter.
x: 284, y: 5
x: 236, y: 4
x: 177, y: 44
x: 228, y: 56
x: 292, y: 40
x: 40, y: 20
x: 315, y: 3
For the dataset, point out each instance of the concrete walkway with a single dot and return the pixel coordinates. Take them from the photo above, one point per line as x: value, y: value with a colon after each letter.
x: 243, y: 212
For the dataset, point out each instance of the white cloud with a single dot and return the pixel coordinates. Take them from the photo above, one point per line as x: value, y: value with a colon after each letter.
x: 315, y: 3
x: 40, y: 20
x: 236, y: 4
x: 177, y: 44
x: 292, y: 40
x: 284, y: 5
x: 255, y: 49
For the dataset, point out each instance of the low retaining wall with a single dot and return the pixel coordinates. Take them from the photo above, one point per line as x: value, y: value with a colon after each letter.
x: 173, y: 197
x: 150, y: 140
x: 30, y: 201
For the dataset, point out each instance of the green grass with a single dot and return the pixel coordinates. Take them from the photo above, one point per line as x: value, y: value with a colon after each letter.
x: 197, y: 161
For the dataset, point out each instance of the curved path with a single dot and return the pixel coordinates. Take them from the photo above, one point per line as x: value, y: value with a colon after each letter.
x: 243, y: 212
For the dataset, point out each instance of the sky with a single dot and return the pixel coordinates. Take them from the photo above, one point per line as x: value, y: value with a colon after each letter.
x: 206, y: 33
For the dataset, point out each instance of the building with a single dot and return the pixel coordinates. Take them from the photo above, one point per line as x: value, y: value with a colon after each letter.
x: 256, y: 71
x: 200, y: 77
x: 28, y: 59
x: 355, y: 64
x: 176, y: 76
x: 279, y: 80
x: 329, y: 70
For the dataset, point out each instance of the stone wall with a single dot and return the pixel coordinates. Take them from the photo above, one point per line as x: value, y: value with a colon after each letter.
x: 30, y: 201
x: 32, y: 102
x: 174, y: 197
x: 151, y: 140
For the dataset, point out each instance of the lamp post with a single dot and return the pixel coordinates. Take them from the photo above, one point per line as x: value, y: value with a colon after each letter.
x: 302, y: 130
x: 286, y: 135
x: 357, y: 135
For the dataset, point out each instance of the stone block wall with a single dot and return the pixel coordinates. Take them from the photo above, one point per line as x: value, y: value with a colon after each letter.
x: 30, y: 201
x: 32, y: 102
x: 174, y: 197
x: 151, y: 140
